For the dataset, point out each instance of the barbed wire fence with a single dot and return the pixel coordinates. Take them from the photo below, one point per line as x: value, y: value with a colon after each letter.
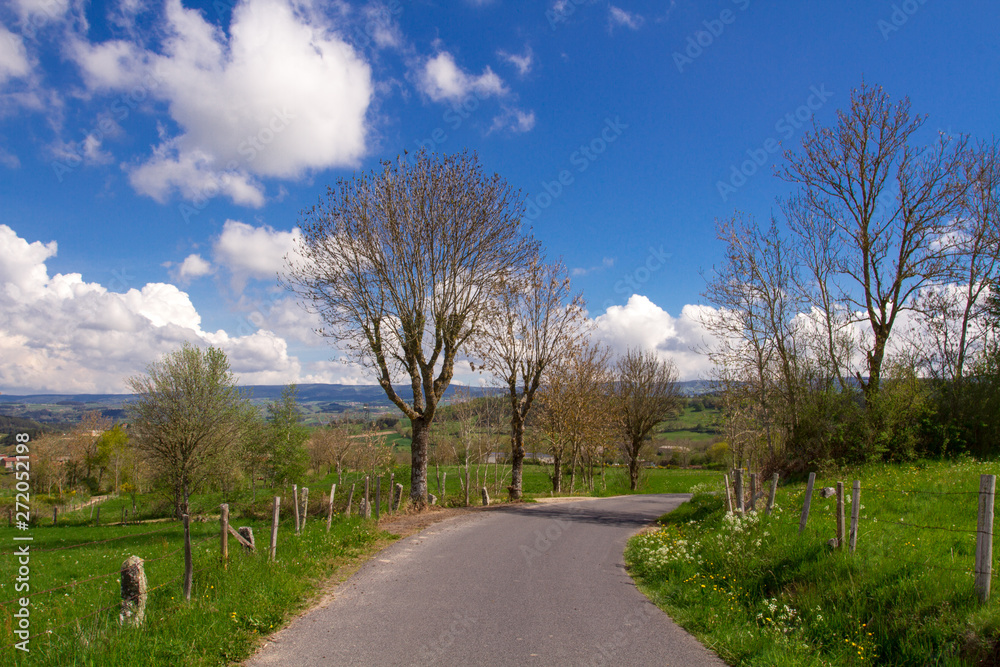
x: 846, y: 535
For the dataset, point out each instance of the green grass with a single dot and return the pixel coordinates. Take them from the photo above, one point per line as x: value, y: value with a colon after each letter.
x: 759, y: 593
x: 230, y: 609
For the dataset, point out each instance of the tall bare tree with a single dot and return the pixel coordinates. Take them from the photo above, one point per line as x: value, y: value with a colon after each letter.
x: 401, y: 264
x: 575, y: 405
x: 533, y: 321
x: 757, y: 348
x: 645, y: 395
x: 954, y: 314
x: 886, y: 204
x: 187, y: 415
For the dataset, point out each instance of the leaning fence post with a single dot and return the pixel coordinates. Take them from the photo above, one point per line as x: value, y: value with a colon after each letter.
x: 368, y: 508
x: 224, y: 541
x: 295, y: 501
x: 855, y: 513
x: 350, y: 499
x: 134, y: 587
x: 805, y: 504
x: 840, y: 515
x: 188, y: 570
x: 753, y: 492
x: 770, y: 496
x: 984, y: 536
x: 729, y: 498
x: 738, y: 483
x: 274, y: 526
x: 329, y: 510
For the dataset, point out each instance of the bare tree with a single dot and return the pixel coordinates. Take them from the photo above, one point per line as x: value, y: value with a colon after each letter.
x: 953, y: 314
x: 886, y: 205
x: 533, y: 321
x: 575, y: 405
x: 187, y: 414
x: 401, y: 266
x: 645, y: 395
x: 756, y: 349
x: 330, y: 446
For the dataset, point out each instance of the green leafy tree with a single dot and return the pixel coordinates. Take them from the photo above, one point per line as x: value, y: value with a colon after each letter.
x: 114, y: 452
x: 187, y: 415
x: 286, y: 438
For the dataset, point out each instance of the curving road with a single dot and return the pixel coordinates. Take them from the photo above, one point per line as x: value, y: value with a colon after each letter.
x: 536, y: 584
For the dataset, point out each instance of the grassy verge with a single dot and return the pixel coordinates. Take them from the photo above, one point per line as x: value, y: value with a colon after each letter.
x: 230, y: 609
x: 759, y: 593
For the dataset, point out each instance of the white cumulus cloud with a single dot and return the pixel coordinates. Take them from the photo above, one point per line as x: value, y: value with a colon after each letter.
x: 641, y: 324
x: 441, y: 79
x: 280, y: 96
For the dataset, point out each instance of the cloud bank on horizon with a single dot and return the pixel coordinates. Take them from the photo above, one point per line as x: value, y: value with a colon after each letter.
x: 66, y: 335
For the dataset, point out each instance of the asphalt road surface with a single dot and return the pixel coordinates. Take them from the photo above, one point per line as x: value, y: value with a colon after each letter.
x: 535, y: 584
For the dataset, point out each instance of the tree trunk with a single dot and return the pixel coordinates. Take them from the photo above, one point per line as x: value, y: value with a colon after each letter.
x: 418, y: 465
x: 557, y: 473
x: 633, y: 473
x: 516, y: 458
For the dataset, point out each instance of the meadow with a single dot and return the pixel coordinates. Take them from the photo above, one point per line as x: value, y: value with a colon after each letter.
x: 75, y: 565
x: 759, y: 593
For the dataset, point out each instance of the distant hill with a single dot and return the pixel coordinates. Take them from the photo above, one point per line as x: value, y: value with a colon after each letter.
x: 319, y: 402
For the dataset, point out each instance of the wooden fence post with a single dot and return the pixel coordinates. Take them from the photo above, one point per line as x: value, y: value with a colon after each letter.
x: 329, y: 510
x: 378, y: 497
x: 444, y: 486
x: 305, y: 505
x: 729, y: 499
x: 486, y: 496
x: 368, y: 508
x: 855, y: 513
x: 770, y: 496
x: 55, y: 514
x: 392, y: 486
x: 123, y: 515
x: 246, y: 532
x: 97, y: 516
x: 224, y: 540
x: 397, y: 500
x: 738, y: 483
x: 840, y: 515
x: 350, y: 499
x: 295, y: 501
x: 134, y: 592
x: 753, y: 492
x: 805, y: 504
x: 188, y: 569
x: 274, y: 526
x: 984, y: 536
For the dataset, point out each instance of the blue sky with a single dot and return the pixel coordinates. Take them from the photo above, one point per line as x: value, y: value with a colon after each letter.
x: 155, y: 156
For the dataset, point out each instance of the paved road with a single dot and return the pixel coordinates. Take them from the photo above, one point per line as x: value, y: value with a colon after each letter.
x: 528, y: 585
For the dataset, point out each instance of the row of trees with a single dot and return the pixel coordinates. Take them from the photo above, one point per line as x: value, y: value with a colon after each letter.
x: 426, y: 260
x: 857, y: 326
